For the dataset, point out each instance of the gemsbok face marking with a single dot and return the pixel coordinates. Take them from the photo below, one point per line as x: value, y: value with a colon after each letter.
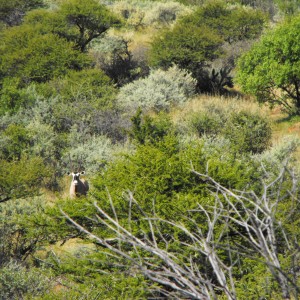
x: 79, y: 187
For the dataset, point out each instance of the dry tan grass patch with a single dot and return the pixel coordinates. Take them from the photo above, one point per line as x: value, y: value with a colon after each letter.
x: 201, y: 103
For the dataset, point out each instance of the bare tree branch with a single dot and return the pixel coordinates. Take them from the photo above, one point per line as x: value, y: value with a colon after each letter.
x: 196, y: 269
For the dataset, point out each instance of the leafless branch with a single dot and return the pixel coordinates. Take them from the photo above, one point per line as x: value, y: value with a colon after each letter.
x: 253, y: 217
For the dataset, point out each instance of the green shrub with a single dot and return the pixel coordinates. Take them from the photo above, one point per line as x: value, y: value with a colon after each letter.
x: 113, y: 56
x: 89, y: 85
x: 188, y: 45
x: 44, y: 141
x: 113, y: 285
x: 13, y: 96
x: 159, y: 175
x: 15, y: 140
x: 231, y: 22
x: 12, y: 12
x: 198, y: 39
x: 34, y: 56
x: 270, y: 69
x: 76, y: 21
x: 148, y: 13
x: 288, y: 7
x: 163, y: 14
x: 159, y: 91
x: 206, y: 123
x: 18, y: 282
x: 149, y: 130
x: 281, y: 152
x: 249, y: 133
x: 23, y: 178
x: 20, y: 234
x: 90, y: 152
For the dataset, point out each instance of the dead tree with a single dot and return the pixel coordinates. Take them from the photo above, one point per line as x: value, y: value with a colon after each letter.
x: 258, y: 216
x: 179, y: 274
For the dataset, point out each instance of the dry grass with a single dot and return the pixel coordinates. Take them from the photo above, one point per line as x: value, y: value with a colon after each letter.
x: 137, y: 38
x: 282, y: 126
x: 63, y: 192
x: 72, y: 246
x: 203, y: 102
x: 68, y: 249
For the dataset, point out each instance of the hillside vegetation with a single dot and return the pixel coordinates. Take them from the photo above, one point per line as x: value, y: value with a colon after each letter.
x: 184, y: 117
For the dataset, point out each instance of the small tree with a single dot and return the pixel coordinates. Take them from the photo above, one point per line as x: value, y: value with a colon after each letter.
x: 77, y: 21
x: 202, y: 259
x: 21, y: 179
x: 90, y: 18
x: 288, y: 7
x: 13, y: 11
x: 159, y: 91
x: 271, y: 69
x: 88, y: 85
x: 198, y: 39
x: 28, y: 53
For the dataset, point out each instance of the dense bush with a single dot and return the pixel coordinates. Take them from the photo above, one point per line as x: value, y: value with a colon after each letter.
x: 232, y: 23
x: 211, y: 237
x: 67, y: 95
x: 289, y: 7
x: 165, y: 13
x: 91, y: 152
x: 270, y: 69
x: 23, y: 178
x: 89, y: 85
x: 114, y: 58
x: 23, y: 55
x: 146, y: 129
x: 76, y: 21
x: 19, y: 230
x: 197, y: 39
x: 12, y: 12
x: 205, y: 123
x: 159, y: 91
x: 14, y: 96
x: 159, y: 173
x: 17, y: 282
x: 15, y: 141
x: 247, y: 132
x: 147, y: 13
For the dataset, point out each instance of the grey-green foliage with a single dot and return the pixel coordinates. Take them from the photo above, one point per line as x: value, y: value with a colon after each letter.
x: 41, y: 110
x: 43, y: 139
x: 209, y: 120
x: 207, y: 123
x: 114, y: 58
x: 246, y: 131
x: 109, y: 44
x: 40, y: 123
x: 18, y: 236
x: 280, y: 152
x: 164, y: 13
x: 159, y: 91
x: 18, y: 282
x: 87, y: 151
x: 288, y: 7
x: 148, y: 13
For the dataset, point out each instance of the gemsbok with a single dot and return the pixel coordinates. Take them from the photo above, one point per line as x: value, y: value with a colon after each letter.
x: 79, y: 187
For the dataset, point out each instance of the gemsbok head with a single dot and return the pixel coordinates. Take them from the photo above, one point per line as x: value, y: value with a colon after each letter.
x: 79, y: 186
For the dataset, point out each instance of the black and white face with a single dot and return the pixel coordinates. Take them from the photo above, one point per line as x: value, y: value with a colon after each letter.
x: 75, y: 177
